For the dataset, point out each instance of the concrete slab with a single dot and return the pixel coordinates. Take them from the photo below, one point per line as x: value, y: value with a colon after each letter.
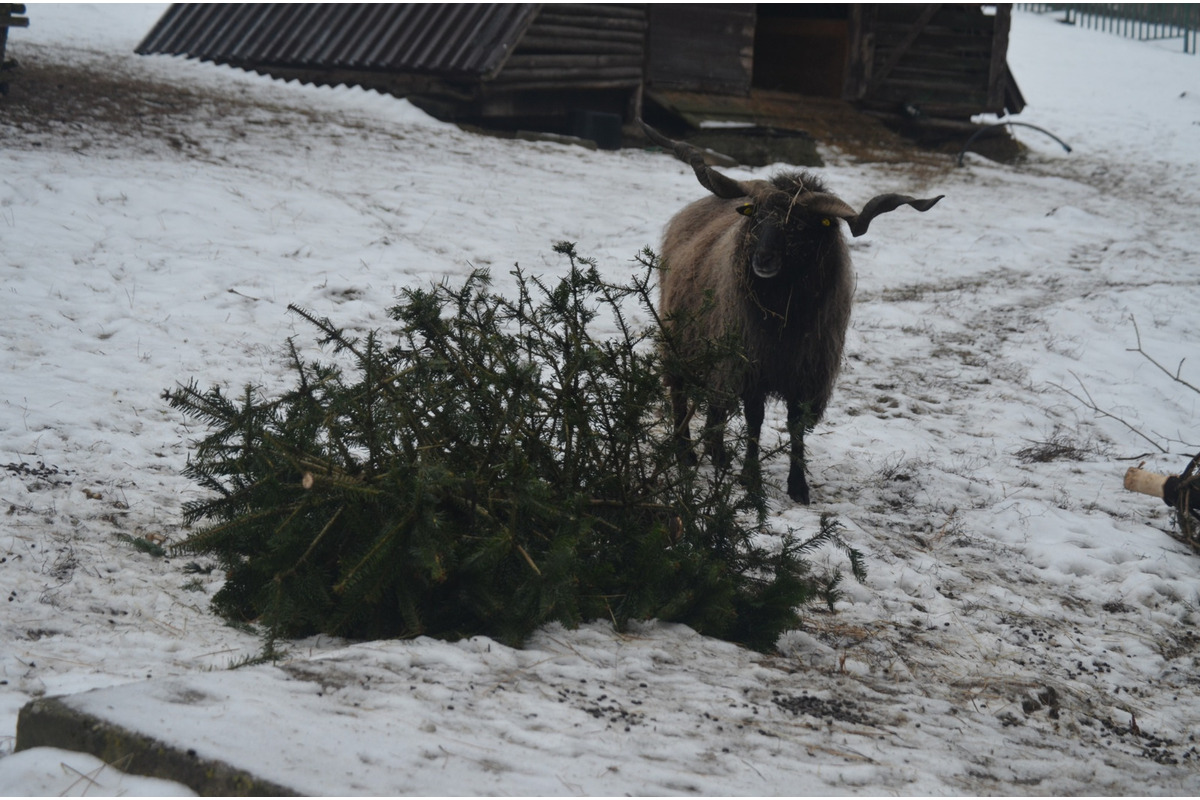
x: 53, y: 722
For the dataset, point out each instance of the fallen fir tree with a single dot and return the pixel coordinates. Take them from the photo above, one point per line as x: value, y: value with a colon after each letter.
x: 488, y: 466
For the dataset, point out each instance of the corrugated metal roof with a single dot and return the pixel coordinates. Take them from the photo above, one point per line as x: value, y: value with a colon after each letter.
x: 448, y: 40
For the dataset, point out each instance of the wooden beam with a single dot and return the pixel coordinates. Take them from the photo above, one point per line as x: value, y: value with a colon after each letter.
x: 856, y: 57
x: 582, y: 32
x: 580, y: 44
x: 9, y: 18
x: 571, y: 76
x: 998, y: 69
x: 570, y: 60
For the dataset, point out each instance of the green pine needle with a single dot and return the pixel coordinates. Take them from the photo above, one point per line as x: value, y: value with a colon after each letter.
x: 486, y: 466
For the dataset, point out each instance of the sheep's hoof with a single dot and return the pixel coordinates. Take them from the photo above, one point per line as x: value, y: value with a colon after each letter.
x: 751, y: 478
x: 718, y: 455
x: 687, y: 456
x: 798, y: 490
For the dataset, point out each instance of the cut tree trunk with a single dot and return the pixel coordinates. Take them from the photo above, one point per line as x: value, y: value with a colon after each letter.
x: 1145, y: 482
x: 1180, y: 492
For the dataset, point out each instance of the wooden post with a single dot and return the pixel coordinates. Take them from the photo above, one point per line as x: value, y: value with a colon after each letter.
x: 858, y: 55
x: 9, y: 19
x: 998, y: 69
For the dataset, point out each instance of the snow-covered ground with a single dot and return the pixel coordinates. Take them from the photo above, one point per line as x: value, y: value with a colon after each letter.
x: 1027, y: 626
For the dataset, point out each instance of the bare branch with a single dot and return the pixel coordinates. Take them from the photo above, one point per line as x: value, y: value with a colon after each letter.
x: 1090, y: 403
x: 1172, y: 375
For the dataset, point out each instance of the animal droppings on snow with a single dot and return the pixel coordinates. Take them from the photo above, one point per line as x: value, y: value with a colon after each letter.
x: 1027, y: 627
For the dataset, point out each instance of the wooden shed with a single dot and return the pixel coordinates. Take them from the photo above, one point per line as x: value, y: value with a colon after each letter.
x: 941, y: 60
x: 587, y: 69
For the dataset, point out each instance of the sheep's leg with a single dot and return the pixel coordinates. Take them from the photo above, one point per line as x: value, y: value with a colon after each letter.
x: 798, y: 419
x: 681, y: 418
x: 754, y: 407
x: 715, y: 428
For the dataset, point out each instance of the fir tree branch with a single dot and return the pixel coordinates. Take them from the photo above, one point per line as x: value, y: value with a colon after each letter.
x: 500, y: 466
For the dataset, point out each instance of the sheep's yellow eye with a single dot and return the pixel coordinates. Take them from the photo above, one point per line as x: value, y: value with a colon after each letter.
x: 826, y: 221
x: 747, y: 210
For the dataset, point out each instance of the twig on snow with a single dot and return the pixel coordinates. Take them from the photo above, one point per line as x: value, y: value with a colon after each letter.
x: 1090, y: 403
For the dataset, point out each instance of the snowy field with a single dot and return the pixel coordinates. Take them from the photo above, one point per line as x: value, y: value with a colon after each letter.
x: 1027, y: 626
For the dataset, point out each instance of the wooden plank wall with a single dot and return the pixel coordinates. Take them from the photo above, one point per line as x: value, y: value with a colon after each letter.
x: 578, y: 46
x: 702, y: 48
x: 945, y: 60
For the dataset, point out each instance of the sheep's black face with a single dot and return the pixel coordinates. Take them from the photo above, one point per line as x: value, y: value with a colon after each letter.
x: 785, y: 238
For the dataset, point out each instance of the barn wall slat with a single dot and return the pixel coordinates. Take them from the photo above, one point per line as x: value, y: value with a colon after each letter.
x: 707, y: 48
x: 573, y: 47
x: 955, y: 67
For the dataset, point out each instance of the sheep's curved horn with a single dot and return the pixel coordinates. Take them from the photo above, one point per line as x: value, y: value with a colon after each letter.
x: 825, y: 203
x: 721, y: 185
x: 883, y: 204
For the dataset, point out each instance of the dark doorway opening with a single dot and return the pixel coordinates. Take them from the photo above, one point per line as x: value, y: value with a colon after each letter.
x: 802, y: 48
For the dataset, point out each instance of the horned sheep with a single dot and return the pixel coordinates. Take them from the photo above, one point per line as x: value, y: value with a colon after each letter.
x: 772, y: 257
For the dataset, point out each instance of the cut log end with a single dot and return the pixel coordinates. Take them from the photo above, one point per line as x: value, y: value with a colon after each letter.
x: 1144, y: 482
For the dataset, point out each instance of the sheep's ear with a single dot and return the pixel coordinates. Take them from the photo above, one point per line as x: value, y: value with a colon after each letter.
x: 884, y: 203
